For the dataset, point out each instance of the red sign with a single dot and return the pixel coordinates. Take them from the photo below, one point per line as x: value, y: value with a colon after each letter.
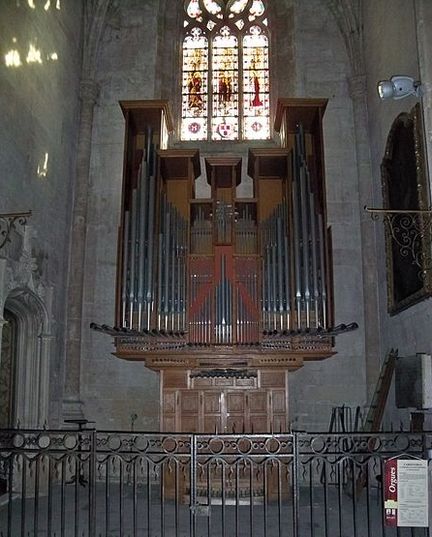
x: 390, y: 492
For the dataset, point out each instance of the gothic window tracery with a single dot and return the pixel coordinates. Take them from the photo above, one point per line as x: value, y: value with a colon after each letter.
x: 225, y: 82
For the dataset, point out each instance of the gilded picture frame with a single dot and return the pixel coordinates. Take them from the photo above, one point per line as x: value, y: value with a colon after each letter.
x: 407, y: 235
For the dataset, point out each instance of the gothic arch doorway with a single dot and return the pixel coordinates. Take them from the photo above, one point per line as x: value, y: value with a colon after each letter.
x: 25, y: 341
x: 7, y: 369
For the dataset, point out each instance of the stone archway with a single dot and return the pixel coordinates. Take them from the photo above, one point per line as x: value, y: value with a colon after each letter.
x: 7, y: 369
x: 30, y: 395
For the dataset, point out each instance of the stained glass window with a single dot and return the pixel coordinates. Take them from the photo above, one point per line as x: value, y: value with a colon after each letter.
x: 195, y: 86
x: 255, y: 85
x: 225, y: 95
x: 225, y: 85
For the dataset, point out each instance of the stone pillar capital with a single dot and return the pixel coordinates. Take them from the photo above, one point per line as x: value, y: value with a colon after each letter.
x: 89, y: 90
x: 357, y: 86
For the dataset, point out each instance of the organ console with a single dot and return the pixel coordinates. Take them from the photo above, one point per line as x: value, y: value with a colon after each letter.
x: 224, y: 295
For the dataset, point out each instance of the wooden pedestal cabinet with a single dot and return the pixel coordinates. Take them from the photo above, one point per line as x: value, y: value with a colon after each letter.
x: 212, y: 404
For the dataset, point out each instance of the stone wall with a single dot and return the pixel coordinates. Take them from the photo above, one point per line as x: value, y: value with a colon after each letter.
x: 312, y: 62
x: 112, y: 389
x: 322, y: 69
x: 391, y: 48
x: 39, y: 111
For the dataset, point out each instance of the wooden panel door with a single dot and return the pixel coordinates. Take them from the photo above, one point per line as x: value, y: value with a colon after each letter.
x: 222, y: 407
x: 190, y: 411
x: 235, y: 416
x: 213, y: 411
x: 169, y: 410
x: 279, y: 418
x: 258, y: 411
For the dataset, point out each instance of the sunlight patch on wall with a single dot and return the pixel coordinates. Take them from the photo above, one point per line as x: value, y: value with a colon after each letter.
x: 48, y: 3
x: 42, y: 169
x: 33, y: 55
x: 13, y: 58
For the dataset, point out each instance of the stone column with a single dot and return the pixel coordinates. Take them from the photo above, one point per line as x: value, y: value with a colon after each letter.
x: 96, y: 14
x: 72, y: 407
x: 357, y: 89
x: 423, y: 14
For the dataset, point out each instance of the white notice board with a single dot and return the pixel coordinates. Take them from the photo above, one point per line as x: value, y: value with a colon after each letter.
x: 412, y: 493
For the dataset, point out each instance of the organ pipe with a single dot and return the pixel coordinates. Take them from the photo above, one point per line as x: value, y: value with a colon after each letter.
x: 293, y: 273
x: 224, y: 271
x: 150, y: 239
x: 171, y: 275
x: 132, y: 260
x: 142, y: 234
x: 307, y: 269
x: 125, y: 268
x: 142, y: 246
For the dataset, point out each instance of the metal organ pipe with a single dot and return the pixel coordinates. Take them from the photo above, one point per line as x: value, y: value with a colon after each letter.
x: 280, y: 267
x: 125, y: 266
x: 155, y: 260
x: 294, y: 228
x: 273, y: 296
x: 167, y: 240
x: 305, y: 247
x: 150, y: 234
x: 311, y: 260
x: 138, y: 245
x: 142, y: 237
x: 267, y: 274
x: 181, y: 279
x: 322, y: 271
x: 132, y: 257
x: 223, y: 301
x: 296, y: 225
x: 314, y: 267
x: 276, y: 271
x: 224, y: 306
x: 159, y: 294
x: 171, y: 275
x: 287, y: 269
x: 144, y: 278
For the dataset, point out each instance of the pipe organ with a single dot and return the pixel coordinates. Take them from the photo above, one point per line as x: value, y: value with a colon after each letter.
x: 224, y: 295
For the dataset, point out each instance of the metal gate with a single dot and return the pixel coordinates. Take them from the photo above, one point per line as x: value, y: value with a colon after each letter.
x: 91, y: 483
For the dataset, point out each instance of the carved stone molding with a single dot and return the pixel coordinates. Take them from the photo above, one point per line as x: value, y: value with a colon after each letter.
x: 357, y: 86
x: 21, y: 270
x: 96, y: 15
x: 22, y: 274
x: 73, y: 409
x: 348, y: 16
x: 89, y: 91
x: 29, y: 298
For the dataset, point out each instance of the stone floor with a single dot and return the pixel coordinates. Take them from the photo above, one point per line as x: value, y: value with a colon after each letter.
x: 338, y: 516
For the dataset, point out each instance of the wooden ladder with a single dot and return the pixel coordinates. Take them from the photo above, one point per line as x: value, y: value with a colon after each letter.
x: 375, y: 413
x: 374, y: 417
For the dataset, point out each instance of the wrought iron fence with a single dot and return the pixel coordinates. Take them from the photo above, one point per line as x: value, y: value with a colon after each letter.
x: 91, y: 483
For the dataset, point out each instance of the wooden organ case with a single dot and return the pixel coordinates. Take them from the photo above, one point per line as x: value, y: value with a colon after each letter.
x: 224, y: 295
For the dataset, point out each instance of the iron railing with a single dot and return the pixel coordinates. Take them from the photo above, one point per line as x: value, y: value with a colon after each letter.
x: 90, y: 483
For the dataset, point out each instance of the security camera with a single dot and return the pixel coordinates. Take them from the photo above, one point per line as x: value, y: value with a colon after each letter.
x: 399, y: 87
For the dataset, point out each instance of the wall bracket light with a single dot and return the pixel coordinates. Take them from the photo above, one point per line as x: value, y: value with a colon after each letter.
x: 399, y: 87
